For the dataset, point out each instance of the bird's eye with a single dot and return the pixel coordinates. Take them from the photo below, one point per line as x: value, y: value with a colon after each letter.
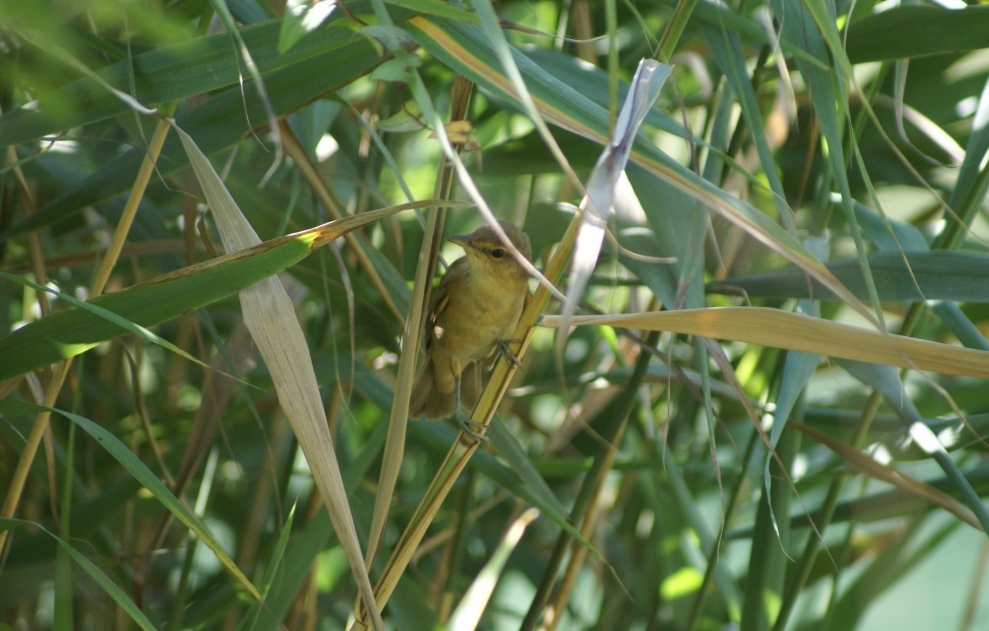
x: 498, y: 253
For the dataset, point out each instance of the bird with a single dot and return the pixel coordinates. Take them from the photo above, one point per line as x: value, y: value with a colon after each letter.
x: 476, y: 307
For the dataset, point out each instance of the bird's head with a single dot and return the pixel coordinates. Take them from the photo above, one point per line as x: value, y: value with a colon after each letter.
x: 488, y: 252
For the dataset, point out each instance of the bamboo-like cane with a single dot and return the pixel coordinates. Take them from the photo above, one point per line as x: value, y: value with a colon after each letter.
x: 461, y: 451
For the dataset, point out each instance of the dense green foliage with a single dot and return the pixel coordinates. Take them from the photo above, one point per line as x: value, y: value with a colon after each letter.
x: 820, y: 157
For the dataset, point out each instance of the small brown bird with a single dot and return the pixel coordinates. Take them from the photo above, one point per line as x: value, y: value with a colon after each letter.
x: 476, y: 307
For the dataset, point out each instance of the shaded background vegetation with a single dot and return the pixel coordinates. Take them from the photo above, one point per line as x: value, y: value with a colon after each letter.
x: 857, y: 129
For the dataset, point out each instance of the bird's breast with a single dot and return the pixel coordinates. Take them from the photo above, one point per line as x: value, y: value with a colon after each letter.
x: 478, y: 316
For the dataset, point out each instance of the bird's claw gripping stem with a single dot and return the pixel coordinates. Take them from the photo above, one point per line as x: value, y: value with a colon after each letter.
x: 507, y: 353
x: 469, y: 426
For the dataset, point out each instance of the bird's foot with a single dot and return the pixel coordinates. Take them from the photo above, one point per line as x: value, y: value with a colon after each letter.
x: 507, y: 353
x: 471, y: 427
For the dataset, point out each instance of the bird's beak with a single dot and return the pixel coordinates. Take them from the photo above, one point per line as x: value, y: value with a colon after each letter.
x: 463, y: 240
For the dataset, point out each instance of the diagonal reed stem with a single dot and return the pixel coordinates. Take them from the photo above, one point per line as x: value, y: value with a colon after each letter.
x: 461, y: 451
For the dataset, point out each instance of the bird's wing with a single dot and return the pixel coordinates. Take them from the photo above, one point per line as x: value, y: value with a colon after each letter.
x: 441, y: 297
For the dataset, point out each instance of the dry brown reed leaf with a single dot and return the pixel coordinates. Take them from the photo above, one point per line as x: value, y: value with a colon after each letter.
x: 771, y: 327
x: 867, y: 465
x: 271, y: 319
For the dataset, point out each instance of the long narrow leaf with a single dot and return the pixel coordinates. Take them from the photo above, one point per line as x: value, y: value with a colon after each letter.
x: 73, y: 331
x: 110, y: 588
x: 157, y: 488
x: 270, y: 317
x: 772, y: 327
x: 899, y: 276
x: 219, y: 123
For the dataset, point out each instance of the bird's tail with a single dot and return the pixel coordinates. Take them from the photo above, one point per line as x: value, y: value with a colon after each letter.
x: 428, y: 402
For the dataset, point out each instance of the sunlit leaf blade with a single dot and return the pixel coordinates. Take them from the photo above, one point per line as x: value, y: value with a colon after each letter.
x: 72, y: 331
x: 301, y: 18
x: 109, y: 316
